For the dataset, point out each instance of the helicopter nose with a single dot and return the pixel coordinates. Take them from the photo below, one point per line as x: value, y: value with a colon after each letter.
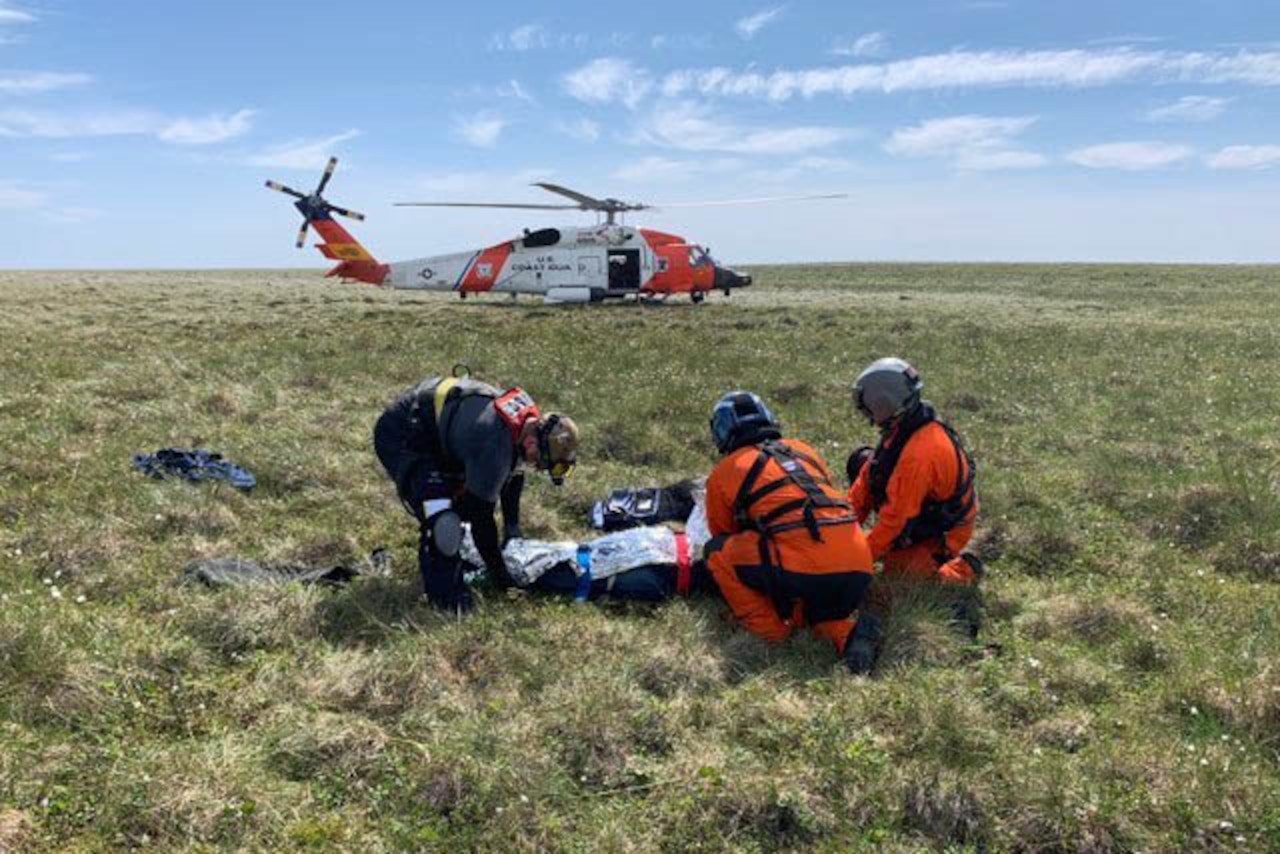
x: 727, y: 279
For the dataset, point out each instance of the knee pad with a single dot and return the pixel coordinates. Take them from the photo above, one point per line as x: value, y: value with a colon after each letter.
x: 444, y: 530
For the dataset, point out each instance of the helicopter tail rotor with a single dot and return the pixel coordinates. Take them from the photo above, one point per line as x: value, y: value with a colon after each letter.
x: 339, y: 245
x: 315, y: 207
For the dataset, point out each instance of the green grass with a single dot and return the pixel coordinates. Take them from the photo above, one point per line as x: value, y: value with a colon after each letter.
x: 1124, y: 423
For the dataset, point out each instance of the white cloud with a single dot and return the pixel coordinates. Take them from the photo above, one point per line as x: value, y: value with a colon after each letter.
x: 536, y: 37
x: 67, y: 125
x: 1245, y: 157
x: 182, y: 131
x: 608, y: 79
x: 983, y: 69
x: 301, y: 153
x: 10, y: 15
x: 70, y: 215
x: 870, y: 44
x: 748, y: 27
x: 207, y: 130
x: 1190, y: 108
x: 481, y: 130
x: 655, y: 169
x: 693, y: 128
x: 467, y: 182
x: 17, y: 198
x: 978, y: 143
x: 805, y: 167
x: 513, y: 89
x: 35, y: 82
x: 585, y: 130
x: 527, y: 37
x: 1130, y: 156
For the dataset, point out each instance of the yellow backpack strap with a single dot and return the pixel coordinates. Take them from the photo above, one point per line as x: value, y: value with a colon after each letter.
x: 442, y: 394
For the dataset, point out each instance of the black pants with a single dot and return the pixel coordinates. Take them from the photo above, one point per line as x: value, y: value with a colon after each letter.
x: 419, y: 475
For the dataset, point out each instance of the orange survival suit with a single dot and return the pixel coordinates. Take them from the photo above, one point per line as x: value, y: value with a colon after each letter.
x: 786, y: 549
x: 920, y: 484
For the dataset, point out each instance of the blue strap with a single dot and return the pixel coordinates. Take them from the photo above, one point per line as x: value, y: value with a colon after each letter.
x: 583, y: 591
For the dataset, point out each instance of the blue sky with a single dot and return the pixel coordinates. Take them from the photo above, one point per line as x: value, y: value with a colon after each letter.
x: 138, y: 134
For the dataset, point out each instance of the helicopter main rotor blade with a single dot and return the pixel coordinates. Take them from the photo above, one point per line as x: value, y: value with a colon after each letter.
x: 281, y: 188
x: 328, y: 173
x: 748, y: 201
x: 486, y: 205
x: 302, y: 234
x: 588, y: 202
x: 359, y: 217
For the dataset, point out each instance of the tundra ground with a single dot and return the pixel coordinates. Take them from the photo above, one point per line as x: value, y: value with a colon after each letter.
x: 1125, y: 693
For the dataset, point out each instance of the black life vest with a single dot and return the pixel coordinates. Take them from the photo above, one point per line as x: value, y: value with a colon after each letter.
x: 435, y: 405
x: 935, y: 518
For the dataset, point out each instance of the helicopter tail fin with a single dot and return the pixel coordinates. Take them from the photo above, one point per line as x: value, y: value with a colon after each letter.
x: 355, y: 262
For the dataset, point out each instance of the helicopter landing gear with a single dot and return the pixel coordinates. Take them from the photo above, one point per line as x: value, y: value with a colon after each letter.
x: 698, y: 297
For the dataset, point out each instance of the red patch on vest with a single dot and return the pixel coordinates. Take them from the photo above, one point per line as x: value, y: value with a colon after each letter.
x: 515, y: 407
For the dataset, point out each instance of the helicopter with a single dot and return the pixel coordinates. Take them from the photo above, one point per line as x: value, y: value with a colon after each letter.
x: 609, y: 260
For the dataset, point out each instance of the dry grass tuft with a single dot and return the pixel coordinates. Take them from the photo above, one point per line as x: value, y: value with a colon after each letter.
x: 223, y: 403
x: 1068, y: 732
x: 1092, y: 620
x: 306, y: 745
x: 946, y: 811
x: 16, y: 830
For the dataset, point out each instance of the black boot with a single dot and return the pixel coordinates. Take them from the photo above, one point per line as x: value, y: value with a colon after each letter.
x: 442, y: 580
x: 863, y: 646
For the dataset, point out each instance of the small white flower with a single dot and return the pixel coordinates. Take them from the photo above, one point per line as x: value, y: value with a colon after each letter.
x: 55, y: 593
x: 47, y: 581
x: 80, y: 600
x: 1033, y: 662
x: 1194, y: 710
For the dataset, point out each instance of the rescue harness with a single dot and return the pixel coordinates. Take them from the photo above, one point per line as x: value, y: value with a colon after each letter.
x: 514, y: 407
x: 796, y: 467
x: 936, y: 517
x: 792, y: 463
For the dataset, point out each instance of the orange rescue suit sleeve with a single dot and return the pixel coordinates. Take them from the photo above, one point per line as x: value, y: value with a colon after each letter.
x: 860, y: 494
x: 721, y: 492
x: 925, y: 470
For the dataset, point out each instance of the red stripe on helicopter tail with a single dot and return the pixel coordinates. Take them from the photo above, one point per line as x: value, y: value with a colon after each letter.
x: 370, y: 272
x: 486, y: 268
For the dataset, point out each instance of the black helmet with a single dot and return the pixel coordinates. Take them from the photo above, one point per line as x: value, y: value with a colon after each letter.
x: 886, y: 389
x: 741, y: 418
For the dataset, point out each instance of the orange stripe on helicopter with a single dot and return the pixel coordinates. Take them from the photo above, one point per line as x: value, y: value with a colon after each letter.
x: 484, y: 271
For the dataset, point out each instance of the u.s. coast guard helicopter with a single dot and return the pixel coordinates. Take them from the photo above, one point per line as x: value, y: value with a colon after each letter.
x: 570, y: 265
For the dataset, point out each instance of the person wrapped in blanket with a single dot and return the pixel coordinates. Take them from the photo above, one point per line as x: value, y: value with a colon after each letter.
x: 650, y: 563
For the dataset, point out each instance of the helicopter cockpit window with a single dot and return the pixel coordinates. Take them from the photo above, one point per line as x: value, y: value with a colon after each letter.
x: 698, y: 256
x: 541, y: 237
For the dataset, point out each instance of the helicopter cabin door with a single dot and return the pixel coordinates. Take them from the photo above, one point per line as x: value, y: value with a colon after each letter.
x: 624, y: 269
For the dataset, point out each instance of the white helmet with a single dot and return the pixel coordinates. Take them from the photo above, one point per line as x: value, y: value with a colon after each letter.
x: 886, y: 389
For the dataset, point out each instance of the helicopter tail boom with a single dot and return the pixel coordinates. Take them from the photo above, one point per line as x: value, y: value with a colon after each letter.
x: 355, y: 262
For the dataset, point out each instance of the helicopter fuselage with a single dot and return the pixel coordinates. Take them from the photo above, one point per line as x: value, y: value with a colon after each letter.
x: 573, y: 264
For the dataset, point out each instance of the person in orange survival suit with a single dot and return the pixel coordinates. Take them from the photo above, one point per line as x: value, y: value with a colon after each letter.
x: 786, y: 550
x: 918, y: 480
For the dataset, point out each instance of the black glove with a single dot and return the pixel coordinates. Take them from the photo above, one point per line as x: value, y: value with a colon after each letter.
x: 863, y: 645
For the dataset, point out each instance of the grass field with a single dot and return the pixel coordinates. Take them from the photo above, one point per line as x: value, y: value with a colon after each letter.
x: 1125, y: 424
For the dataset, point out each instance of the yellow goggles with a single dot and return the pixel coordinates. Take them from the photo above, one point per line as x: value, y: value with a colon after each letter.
x: 559, y: 470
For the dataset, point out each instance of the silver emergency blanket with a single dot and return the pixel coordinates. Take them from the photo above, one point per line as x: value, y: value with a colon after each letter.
x: 611, y: 554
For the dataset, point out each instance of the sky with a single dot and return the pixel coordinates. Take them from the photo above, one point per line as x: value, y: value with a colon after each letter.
x: 138, y: 134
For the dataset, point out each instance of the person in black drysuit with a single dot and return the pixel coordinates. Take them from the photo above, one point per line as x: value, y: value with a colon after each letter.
x: 455, y: 448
